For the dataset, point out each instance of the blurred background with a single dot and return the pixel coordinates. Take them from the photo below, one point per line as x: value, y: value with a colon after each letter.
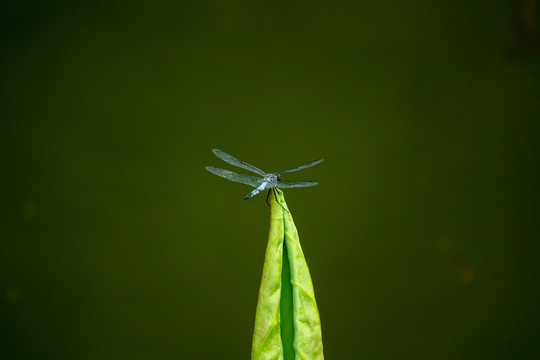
x: 422, y: 236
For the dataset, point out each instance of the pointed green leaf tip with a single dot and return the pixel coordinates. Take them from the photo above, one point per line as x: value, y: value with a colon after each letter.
x: 287, y: 324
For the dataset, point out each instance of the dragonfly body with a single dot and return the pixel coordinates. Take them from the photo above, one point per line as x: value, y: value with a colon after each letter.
x: 268, y: 181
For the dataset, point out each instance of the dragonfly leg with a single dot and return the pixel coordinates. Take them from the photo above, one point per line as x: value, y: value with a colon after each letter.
x: 275, y: 197
x: 267, y: 197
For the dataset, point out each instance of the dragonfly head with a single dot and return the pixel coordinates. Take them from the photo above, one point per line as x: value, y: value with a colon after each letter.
x: 273, y: 177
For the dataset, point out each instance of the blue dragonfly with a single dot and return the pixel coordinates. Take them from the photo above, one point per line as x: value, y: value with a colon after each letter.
x: 268, y: 181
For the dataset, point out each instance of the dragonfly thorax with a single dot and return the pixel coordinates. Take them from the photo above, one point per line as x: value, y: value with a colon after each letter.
x: 270, y: 181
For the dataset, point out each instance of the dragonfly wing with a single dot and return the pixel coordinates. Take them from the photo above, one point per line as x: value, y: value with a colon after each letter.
x: 301, y: 167
x: 234, y: 161
x: 292, y: 184
x: 232, y: 176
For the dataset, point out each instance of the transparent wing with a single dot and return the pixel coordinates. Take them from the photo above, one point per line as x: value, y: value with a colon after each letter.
x: 234, y: 161
x: 282, y: 184
x: 302, y: 166
x: 240, y: 178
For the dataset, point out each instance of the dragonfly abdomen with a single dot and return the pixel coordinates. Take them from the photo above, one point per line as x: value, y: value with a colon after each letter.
x: 257, y: 190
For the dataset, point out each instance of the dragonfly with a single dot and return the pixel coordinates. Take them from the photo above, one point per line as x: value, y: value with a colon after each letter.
x: 268, y: 181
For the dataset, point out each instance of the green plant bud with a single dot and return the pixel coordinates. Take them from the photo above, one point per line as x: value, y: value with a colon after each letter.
x: 287, y: 323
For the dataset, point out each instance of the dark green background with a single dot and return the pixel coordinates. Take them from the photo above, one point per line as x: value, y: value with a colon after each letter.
x: 422, y: 236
